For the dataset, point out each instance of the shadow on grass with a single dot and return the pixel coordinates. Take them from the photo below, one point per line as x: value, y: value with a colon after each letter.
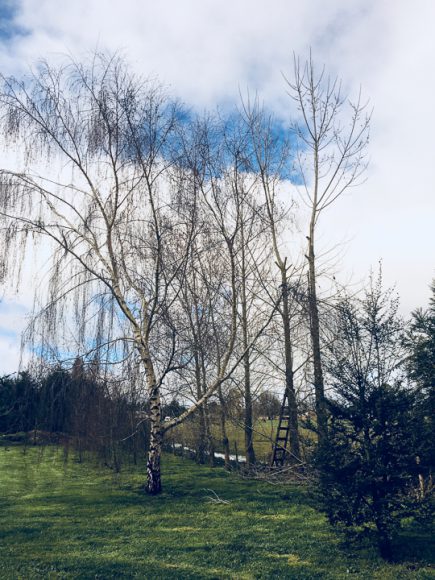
x: 81, y: 521
x: 415, y: 544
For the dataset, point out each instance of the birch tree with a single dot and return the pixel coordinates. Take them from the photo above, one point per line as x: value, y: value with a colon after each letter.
x: 100, y: 185
x: 112, y: 187
x: 99, y: 145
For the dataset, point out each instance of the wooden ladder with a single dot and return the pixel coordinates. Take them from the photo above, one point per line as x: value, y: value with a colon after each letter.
x: 282, y: 435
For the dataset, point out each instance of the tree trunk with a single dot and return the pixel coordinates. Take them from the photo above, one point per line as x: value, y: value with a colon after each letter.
x: 384, y: 540
x: 154, y: 483
x: 208, y: 435
x: 289, y: 376
x: 249, y: 442
x: 322, y: 419
x: 207, y: 420
x: 248, y: 426
x: 201, y: 441
x: 225, y: 441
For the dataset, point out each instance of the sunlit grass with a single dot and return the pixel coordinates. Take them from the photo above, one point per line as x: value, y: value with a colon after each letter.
x: 69, y: 520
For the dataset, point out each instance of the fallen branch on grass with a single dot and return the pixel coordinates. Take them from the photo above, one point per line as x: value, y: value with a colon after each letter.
x: 215, y: 498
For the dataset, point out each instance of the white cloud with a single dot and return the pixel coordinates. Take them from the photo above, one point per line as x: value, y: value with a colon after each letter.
x: 208, y: 50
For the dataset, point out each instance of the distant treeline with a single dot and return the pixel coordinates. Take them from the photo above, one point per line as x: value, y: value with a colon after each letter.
x: 74, y: 407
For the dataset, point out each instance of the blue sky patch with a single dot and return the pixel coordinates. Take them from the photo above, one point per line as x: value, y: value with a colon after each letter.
x: 8, y: 26
x: 8, y: 333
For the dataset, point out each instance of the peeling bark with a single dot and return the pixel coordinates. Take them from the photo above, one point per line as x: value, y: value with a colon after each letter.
x: 154, y: 483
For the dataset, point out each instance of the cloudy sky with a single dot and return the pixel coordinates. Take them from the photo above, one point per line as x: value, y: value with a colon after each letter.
x: 208, y: 51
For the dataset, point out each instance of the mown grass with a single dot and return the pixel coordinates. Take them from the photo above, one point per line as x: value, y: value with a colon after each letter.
x: 69, y: 520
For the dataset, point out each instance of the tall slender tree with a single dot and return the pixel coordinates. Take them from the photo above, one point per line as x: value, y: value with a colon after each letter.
x: 331, y: 137
x: 269, y: 154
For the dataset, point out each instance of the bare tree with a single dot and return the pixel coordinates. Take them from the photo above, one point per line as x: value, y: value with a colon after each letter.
x: 247, y: 211
x: 104, y: 203
x: 107, y: 203
x: 201, y: 301
x: 232, y: 230
x: 268, y: 158
x: 331, y: 140
x: 120, y: 190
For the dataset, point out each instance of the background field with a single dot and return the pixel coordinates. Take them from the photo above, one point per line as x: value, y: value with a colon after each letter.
x: 264, y: 437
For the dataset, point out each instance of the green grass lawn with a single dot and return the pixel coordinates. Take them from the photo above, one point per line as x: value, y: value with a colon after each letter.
x: 68, y: 520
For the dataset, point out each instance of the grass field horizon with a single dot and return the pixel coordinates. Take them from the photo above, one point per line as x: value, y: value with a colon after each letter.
x: 63, y: 519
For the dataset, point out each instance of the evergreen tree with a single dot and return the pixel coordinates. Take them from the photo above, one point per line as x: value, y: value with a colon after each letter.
x: 369, y: 464
x: 420, y: 341
x: 19, y: 398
